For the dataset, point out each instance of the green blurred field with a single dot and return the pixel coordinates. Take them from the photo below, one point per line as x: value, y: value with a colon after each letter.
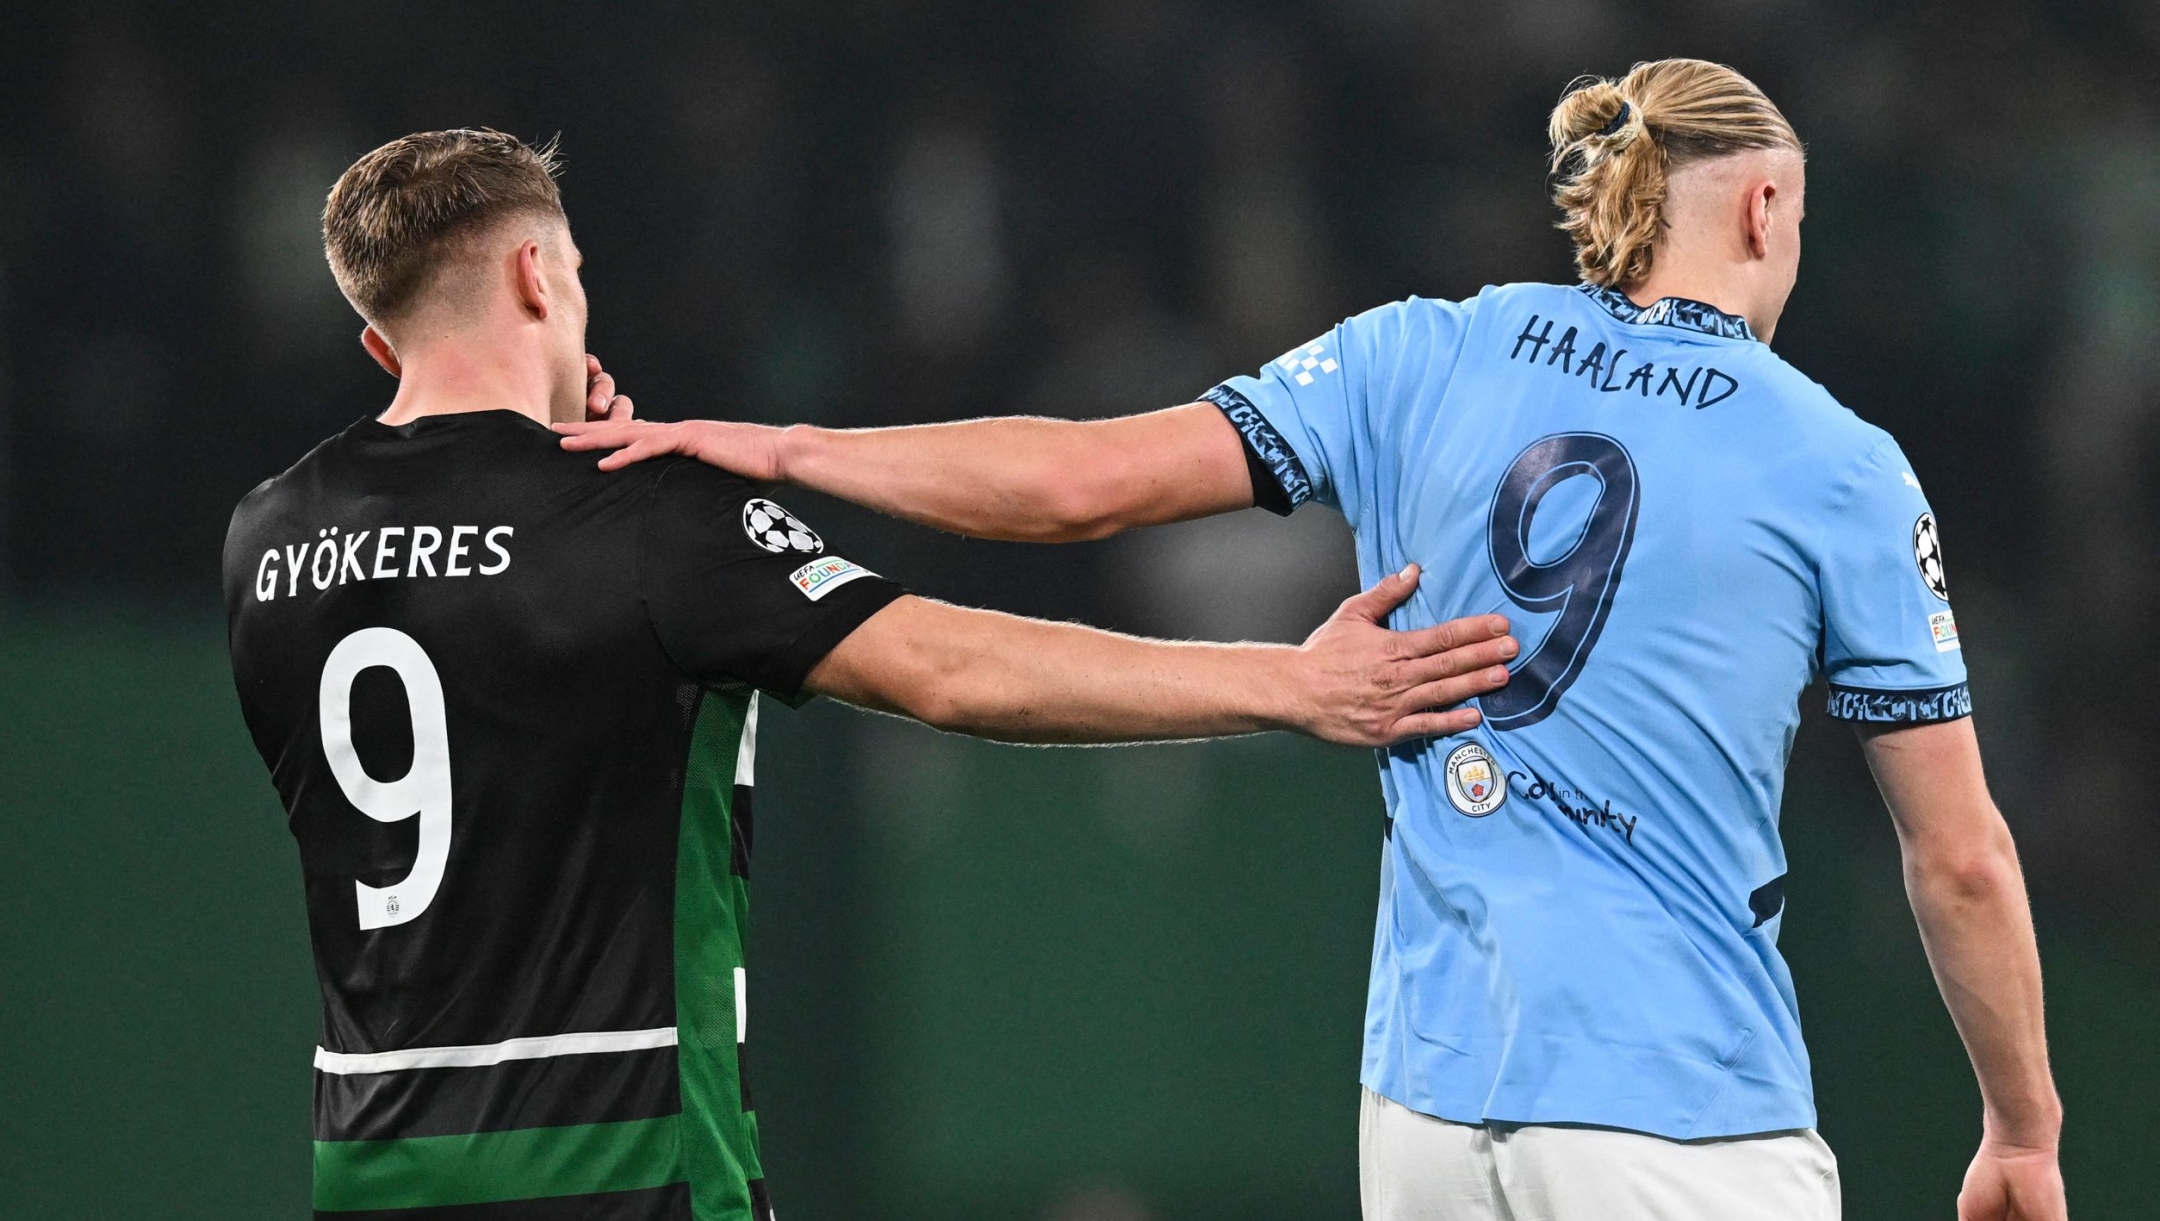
x: 988, y: 979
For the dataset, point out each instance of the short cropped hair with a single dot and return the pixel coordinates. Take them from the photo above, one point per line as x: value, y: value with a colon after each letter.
x: 396, y: 212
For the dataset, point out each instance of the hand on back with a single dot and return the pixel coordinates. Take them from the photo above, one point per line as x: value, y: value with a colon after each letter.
x: 749, y: 450
x: 1369, y: 686
x: 1359, y: 684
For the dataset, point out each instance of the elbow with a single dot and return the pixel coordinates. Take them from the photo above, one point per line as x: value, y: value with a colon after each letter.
x: 1076, y: 508
x: 953, y: 708
x: 941, y: 702
x: 937, y: 688
x: 1968, y: 874
x: 935, y: 708
x: 1078, y: 490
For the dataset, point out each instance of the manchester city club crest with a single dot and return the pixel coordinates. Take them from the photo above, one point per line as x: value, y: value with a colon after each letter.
x: 1927, y: 552
x: 1474, y: 786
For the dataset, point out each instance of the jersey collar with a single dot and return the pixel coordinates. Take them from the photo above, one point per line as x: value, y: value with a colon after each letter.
x: 1670, y: 311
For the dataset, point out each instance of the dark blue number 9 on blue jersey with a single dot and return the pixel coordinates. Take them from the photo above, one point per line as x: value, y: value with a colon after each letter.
x: 1579, y: 583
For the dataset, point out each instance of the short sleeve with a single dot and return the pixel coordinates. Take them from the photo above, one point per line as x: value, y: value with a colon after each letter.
x: 1313, y: 417
x: 739, y: 590
x: 1890, y: 643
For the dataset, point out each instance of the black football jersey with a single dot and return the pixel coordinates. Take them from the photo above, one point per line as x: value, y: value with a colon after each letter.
x: 510, y: 702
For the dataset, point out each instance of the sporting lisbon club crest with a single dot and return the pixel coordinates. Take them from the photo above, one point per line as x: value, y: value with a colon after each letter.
x: 777, y: 530
x: 1927, y: 552
x: 1474, y: 786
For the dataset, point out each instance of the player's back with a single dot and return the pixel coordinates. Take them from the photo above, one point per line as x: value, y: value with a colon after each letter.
x: 1582, y: 897
x: 507, y: 700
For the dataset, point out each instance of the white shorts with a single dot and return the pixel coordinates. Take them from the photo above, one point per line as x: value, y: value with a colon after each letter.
x: 1413, y: 1167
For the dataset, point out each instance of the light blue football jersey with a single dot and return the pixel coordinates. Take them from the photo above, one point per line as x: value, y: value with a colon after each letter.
x: 1580, y: 900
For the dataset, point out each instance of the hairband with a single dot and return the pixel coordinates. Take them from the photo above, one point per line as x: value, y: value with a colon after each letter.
x: 1618, y: 121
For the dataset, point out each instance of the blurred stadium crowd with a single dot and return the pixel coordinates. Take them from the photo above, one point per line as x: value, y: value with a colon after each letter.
x: 868, y: 213
x: 882, y: 211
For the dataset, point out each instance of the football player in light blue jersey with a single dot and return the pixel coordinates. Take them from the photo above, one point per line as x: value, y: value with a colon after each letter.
x: 1578, y: 1009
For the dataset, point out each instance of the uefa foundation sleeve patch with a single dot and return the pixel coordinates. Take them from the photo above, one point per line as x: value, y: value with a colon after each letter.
x: 821, y: 577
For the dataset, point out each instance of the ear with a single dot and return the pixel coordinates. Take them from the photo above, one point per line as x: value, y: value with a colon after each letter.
x: 380, y: 349
x: 1760, y: 196
x: 532, y: 281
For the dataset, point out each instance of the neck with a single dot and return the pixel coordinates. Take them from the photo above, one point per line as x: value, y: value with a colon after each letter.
x: 1729, y: 288
x: 461, y: 372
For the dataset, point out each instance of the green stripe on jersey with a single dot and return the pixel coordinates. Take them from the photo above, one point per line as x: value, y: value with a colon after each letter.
x: 720, y: 1148
x: 485, y: 1167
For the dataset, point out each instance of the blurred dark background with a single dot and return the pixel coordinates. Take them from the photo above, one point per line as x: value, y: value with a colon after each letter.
x: 995, y: 983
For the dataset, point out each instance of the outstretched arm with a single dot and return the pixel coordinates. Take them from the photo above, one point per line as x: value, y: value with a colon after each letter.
x: 1023, y: 680
x: 1018, y: 478
x: 1962, y: 876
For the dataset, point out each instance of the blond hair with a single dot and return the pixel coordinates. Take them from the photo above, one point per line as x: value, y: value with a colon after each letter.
x: 395, y: 212
x: 1615, y: 142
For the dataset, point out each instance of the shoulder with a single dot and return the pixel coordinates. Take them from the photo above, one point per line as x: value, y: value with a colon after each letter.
x: 1416, y: 317
x: 269, y: 500
x: 1530, y: 295
x: 1825, y: 428
x: 1523, y: 299
x: 1407, y: 336
x: 1495, y: 306
x: 677, y: 479
x: 1823, y: 443
x: 260, y: 499
x: 686, y: 499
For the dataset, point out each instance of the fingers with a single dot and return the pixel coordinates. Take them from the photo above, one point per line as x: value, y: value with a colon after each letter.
x: 599, y: 388
x: 601, y: 434
x: 638, y: 452
x: 1433, y: 725
x: 632, y: 440
x: 1454, y: 634
x: 602, y: 404
x: 598, y: 393
x: 1448, y: 692
x: 1377, y: 603
x: 1461, y: 660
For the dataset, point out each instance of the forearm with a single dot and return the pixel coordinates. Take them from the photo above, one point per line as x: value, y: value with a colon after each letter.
x: 1027, y: 479
x: 1024, y: 680
x: 998, y: 676
x: 1968, y: 894
x: 1974, y: 920
x: 1020, y: 478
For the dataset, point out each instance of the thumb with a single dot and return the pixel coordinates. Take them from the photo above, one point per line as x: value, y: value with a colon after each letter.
x: 1377, y: 603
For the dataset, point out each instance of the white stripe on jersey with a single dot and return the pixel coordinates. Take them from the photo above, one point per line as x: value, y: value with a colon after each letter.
x: 746, y: 756
x: 480, y: 1055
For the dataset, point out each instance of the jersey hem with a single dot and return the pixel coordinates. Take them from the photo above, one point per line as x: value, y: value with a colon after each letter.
x: 1786, y: 1114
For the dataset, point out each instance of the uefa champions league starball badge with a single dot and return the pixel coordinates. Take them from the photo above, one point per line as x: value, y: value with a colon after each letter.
x: 1473, y: 780
x: 777, y: 530
x: 1927, y: 552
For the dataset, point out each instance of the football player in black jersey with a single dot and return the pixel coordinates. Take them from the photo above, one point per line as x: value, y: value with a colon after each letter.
x: 531, y: 951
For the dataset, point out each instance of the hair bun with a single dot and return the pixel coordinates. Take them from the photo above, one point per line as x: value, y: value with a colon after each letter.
x: 1610, y: 168
x: 1589, y: 109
